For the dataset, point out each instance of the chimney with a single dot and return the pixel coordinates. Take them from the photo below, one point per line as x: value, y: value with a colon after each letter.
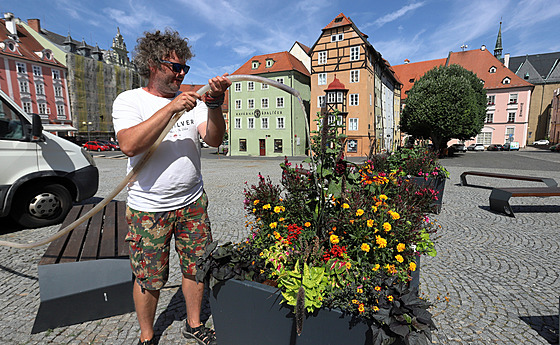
x: 11, y: 24
x: 406, y: 61
x: 483, y: 48
x: 35, y: 24
x: 506, y: 60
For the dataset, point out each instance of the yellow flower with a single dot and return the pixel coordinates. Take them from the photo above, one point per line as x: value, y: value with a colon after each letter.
x: 345, y: 205
x: 266, y: 207
x: 390, y: 298
x: 256, y: 202
x: 254, y: 210
x: 374, y: 208
x: 307, y: 224
x: 401, y: 247
x: 348, y: 265
x: 361, y: 308
x: 395, y: 215
x: 352, y: 221
x: 365, y: 247
x: 273, y: 225
x: 278, y: 209
x: 399, y: 258
x: 376, y: 267
x: 386, y: 227
x: 334, y: 239
x: 370, y: 223
x: 354, y: 301
x: 375, y: 308
x: 359, y: 291
x: 380, y: 241
x: 377, y: 288
x: 276, y: 235
x: 383, y: 197
x: 281, y: 219
x: 359, y: 212
x: 412, y: 266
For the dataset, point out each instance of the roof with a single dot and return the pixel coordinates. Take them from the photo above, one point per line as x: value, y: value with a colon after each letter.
x: 336, y: 85
x: 338, y: 21
x: 477, y: 61
x: 283, y: 62
x: 305, y: 48
x: 543, y: 64
x: 28, y: 46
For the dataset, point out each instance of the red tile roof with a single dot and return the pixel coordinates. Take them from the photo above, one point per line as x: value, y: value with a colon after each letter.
x: 305, y: 48
x: 283, y: 62
x: 28, y: 46
x: 477, y: 61
x: 336, y: 85
x: 340, y: 20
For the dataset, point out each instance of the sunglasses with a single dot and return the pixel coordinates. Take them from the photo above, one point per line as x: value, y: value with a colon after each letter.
x: 177, y: 67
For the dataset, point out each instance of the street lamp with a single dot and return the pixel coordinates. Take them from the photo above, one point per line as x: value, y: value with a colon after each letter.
x: 87, y: 124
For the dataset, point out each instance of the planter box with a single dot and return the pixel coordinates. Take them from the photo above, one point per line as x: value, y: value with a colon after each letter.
x: 436, y: 184
x: 249, y: 313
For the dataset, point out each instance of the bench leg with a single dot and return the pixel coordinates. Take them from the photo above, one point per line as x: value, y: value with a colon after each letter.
x: 499, y: 202
x: 464, y: 180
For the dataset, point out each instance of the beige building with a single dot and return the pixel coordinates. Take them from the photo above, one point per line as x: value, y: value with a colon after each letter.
x: 373, y: 90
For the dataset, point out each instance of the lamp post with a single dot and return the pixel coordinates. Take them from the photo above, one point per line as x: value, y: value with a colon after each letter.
x: 87, y: 128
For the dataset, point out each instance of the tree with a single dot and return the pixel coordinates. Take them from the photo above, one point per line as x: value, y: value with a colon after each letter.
x: 448, y: 102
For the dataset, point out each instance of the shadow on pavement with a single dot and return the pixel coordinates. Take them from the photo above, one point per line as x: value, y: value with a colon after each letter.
x: 527, y: 209
x: 545, y: 325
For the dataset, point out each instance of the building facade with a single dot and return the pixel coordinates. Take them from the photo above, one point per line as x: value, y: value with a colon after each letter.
x: 32, y: 76
x: 509, y: 97
x: 343, y: 52
x: 264, y: 120
x: 555, y: 118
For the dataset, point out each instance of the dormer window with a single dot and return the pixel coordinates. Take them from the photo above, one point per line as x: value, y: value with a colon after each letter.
x: 411, y: 80
x: 255, y: 65
x: 269, y: 63
x: 506, y: 81
x: 492, y: 69
x: 526, y: 77
x: 338, y: 20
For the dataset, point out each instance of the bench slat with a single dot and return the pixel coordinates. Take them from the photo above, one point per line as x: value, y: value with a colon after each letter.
x: 73, y: 248
x: 107, y: 244
x: 122, y: 229
x: 91, y: 243
x: 546, y: 180
x: 52, y: 254
x: 530, y: 191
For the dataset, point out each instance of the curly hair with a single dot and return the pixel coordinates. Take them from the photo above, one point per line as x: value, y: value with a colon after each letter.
x: 157, y: 45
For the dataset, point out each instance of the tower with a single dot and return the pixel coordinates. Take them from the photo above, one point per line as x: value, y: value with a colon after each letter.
x: 498, y: 49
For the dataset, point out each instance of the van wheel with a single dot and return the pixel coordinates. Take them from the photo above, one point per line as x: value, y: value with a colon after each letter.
x: 43, y: 205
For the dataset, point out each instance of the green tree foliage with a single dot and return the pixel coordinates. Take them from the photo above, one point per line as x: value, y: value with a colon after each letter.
x: 448, y: 102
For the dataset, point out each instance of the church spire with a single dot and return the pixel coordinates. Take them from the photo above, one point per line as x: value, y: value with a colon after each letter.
x: 498, y: 49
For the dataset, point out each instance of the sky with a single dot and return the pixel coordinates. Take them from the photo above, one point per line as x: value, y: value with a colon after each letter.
x: 224, y: 34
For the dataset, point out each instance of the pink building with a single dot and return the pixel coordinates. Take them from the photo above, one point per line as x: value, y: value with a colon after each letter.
x: 508, y: 95
x: 32, y: 77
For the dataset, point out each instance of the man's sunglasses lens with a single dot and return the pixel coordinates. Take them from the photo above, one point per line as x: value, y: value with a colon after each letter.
x: 177, y: 67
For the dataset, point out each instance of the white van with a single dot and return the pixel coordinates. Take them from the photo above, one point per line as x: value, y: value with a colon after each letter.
x: 40, y: 174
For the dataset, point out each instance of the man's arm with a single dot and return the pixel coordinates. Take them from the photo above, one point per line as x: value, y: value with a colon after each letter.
x: 212, y: 132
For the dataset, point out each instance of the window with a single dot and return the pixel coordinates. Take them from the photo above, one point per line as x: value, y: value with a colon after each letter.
x: 250, y: 103
x: 337, y: 37
x: 237, y: 104
x: 321, y: 101
x: 264, y: 103
x: 279, y: 102
x: 354, y: 99
x: 277, y: 145
x: 506, y: 80
x: 322, y: 58
x: 354, y: 76
x: 42, y: 108
x: 237, y: 87
x: 20, y: 67
x: 512, y: 98
x: 353, y: 124
x: 492, y: 69
x: 251, y: 86
x: 509, y: 133
x: 354, y: 53
x: 237, y: 123
x: 511, y: 117
x: 280, y: 80
x: 491, y: 100
x: 352, y: 145
x: 27, y: 107
x: 23, y: 87
x: 58, y: 91
x: 280, y: 123
x: 251, y: 123
x: 322, y: 79
x: 60, y: 110
x: 269, y: 62
x: 264, y: 86
x: 40, y: 89
x: 255, y: 65
x: 243, y: 145
x: 331, y: 97
x: 56, y: 74
x: 264, y: 122
x: 489, y: 118
x: 37, y: 71
x: 12, y: 128
x: 484, y: 138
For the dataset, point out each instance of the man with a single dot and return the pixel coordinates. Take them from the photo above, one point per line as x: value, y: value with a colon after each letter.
x: 167, y: 198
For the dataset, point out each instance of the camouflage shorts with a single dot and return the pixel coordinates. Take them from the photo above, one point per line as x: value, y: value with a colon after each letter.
x: 149, y: 239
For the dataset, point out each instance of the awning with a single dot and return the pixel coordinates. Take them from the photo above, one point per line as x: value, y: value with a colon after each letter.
x: 49, y: 127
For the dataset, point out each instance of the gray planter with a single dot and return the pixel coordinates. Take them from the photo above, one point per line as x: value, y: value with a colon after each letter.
x: 437, y: 184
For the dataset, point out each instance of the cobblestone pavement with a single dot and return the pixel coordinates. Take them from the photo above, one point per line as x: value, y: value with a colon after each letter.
x: 495, y: 279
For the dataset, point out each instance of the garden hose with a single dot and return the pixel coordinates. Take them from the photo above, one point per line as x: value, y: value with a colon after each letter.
x: 138, y: 167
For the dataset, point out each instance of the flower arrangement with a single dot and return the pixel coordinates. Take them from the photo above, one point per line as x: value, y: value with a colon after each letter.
x: 416, y: 161
x: 336, y: 235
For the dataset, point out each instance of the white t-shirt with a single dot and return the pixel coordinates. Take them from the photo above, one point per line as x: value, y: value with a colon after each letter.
x: 172, y: 178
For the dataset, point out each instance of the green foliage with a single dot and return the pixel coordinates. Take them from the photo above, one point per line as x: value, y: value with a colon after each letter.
x: 447, y: 102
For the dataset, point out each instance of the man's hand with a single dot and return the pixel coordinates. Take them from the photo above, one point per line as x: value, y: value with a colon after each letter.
x: 184, y: 101
x: 218, y: 85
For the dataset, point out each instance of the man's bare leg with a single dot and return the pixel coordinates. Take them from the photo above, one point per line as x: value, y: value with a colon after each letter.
x: 193, y: 292
x: 145, y: 303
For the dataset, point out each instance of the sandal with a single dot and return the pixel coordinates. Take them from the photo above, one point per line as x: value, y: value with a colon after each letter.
x: 146, y: 342
x: 202, y: 334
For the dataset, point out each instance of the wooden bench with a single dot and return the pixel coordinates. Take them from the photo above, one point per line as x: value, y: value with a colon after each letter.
x: 85, y: 275
x: 548, y: 181
x: 499, y: 198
